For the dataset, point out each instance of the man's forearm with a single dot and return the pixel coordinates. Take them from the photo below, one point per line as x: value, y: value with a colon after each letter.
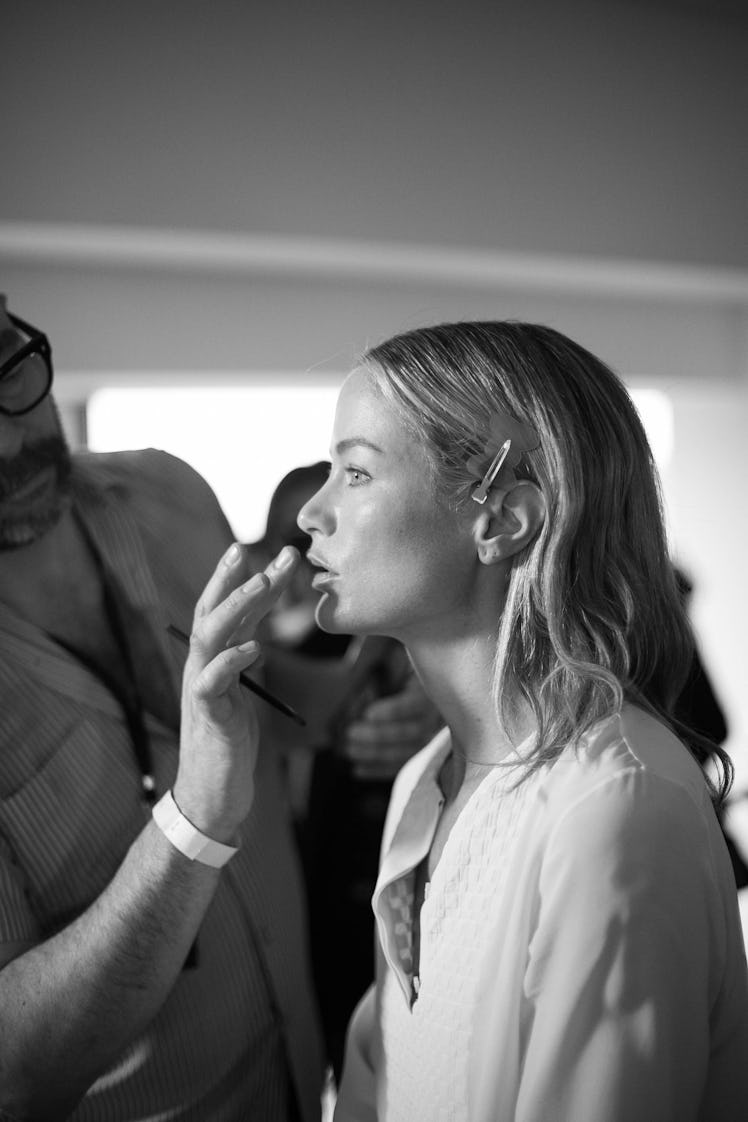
x: 69, y: 1006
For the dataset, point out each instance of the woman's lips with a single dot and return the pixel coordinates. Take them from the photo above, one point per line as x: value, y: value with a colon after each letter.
x: 323, y: 579
x: 324, y: 576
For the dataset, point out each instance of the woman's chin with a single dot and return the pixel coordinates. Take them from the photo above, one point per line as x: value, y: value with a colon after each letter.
x: 327, y: 618
x: 330, y: 618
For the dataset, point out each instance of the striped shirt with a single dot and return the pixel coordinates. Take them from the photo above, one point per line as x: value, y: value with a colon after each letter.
x: 237, y: 1037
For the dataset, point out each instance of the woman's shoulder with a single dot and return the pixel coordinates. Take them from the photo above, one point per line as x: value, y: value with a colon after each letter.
x: 634, y: 741
x: 628, y: 769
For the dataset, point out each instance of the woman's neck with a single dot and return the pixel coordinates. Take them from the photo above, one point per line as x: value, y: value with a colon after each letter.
x: 458, y: 677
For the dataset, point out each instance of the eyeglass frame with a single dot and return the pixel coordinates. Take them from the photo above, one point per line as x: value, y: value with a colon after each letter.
x: 38, y: 344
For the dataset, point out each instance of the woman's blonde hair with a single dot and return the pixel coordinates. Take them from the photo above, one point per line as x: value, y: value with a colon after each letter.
x: 592, y: 615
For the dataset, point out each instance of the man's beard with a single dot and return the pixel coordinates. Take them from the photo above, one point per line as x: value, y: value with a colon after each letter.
x: 21, y: 524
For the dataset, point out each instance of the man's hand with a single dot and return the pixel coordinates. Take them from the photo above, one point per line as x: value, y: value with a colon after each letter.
x: 219, y: 734
x: 389, y: 731
x: 71, y: 1004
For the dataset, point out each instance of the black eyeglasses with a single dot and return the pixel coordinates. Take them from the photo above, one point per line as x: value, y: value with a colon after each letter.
x: 26, y: 376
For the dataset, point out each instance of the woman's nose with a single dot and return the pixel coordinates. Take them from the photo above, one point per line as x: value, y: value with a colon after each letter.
x: 312, y: 515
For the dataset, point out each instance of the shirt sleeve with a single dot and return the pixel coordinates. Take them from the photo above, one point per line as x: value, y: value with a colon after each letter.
x: 356, y: 1100
x: 629, y: 927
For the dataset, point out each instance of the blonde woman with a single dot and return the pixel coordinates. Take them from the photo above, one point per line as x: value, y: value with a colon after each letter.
x: 556, y: 916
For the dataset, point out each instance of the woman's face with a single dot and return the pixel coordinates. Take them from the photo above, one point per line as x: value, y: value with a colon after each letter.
x: 391, y: 558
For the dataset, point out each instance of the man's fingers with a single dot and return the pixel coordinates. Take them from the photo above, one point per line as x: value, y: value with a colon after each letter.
x: 221, y: 673
x: 211, y: 631
x: 231, y: 570
x: 229, y: 605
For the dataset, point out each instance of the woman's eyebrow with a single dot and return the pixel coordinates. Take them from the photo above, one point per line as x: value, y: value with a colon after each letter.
x: 356, y: 441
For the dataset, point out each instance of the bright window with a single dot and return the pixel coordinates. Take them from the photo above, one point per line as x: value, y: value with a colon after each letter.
x: 656, y: 411
x: 242, y: 439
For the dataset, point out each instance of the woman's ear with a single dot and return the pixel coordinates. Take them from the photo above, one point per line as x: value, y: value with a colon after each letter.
x: 508, y: 522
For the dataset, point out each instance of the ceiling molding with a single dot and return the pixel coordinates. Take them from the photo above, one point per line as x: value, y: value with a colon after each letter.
x: 179, y: 251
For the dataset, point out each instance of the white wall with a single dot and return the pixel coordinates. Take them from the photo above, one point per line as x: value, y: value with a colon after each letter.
x: 601, y: 127
x: 582, y: 163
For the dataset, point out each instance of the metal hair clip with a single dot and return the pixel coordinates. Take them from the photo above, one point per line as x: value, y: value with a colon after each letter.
x: 480, y: 494
x: 513, y: 438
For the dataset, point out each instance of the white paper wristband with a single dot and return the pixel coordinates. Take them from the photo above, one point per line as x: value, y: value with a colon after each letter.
x: 187, y: 838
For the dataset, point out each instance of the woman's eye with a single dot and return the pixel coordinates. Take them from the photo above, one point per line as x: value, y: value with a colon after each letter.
x: 355, y: 477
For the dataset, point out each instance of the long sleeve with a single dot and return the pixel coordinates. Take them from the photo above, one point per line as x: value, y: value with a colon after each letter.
x: 618, y: 985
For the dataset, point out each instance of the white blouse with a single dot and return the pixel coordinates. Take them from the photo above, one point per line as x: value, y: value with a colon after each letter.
x: 581, y: 955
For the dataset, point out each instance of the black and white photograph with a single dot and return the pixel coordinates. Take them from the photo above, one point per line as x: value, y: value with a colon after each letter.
x: 373, y: 536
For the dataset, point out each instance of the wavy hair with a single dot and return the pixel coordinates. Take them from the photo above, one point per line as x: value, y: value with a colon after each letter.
x: 592, y: 614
